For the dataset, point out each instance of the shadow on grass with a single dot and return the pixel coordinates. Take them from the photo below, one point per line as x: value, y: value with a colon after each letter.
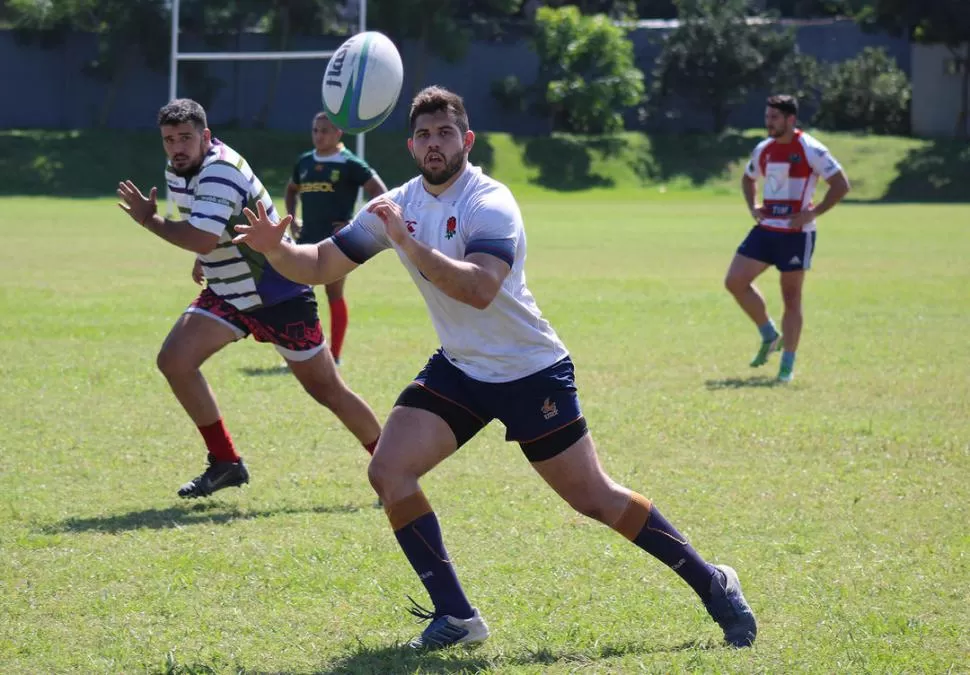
x: 262, y: 372
x: 401, y: 659
x: 742, y: 382
x: 698, y: 158
x: 75, y: 164
x: 182, y: 516
x: 936, y: 172
x: 565, y: 162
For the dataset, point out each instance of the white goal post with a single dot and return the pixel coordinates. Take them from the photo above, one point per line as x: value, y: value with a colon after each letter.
x: 177, y: 56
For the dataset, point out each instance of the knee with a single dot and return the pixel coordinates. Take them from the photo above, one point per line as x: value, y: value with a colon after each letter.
x: 592, y: 506
x: 381, y: 474
x: 326, y: 392
x: 171, y: 363
x: 792, y: 301
x: 735, y: 285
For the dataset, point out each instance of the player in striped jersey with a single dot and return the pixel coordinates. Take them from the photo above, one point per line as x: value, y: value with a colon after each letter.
x: 790, y: 162
x: 211, y: 185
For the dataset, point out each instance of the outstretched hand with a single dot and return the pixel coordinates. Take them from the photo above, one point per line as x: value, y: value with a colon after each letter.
x: 262, y: 234
x: 135, y: 204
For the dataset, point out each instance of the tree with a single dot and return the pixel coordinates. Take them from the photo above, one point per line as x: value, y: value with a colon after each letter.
x: 945, y: 22
x: 866, y: 93
x: 620, y: 9
x: 439, y: 27
x: 801, y: 76
x: 586, y: 72
x: 121, y: 27
x: 716, y: 56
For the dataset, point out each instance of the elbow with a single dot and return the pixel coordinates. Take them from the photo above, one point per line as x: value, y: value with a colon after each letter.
x: 205, y: 245
x: 843, y: 184
x: 482, y: 298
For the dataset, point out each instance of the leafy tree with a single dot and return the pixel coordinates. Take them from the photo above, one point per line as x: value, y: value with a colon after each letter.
x: 586, y: 73
x: 439, y: 27
x: 945, y: 22
x: 121, y: 26
x: 621, y: 9
x: 802, y: 76
x: 716, y: 56
x: 866, y: 93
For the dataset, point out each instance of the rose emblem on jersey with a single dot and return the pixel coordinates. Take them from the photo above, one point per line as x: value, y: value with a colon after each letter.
x: 450, y: 227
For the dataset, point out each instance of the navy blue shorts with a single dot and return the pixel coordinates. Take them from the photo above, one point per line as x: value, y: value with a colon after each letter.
x: 788, y: 251
x: 540, y: 412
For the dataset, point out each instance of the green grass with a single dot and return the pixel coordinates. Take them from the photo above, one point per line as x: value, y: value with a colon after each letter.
x: 90, y: 163
x: 842, y: 500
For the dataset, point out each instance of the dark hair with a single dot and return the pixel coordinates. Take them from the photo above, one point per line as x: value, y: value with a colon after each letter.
x: 784, y: 103
x: 182, y: 111
x: 434, y: 98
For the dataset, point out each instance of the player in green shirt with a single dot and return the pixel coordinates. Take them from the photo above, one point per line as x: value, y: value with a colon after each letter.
x: 327, y: 179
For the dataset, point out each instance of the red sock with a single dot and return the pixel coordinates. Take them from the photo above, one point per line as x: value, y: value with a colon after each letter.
x: 219, y: 442
x: 372, y: 446
x: 338, y: 326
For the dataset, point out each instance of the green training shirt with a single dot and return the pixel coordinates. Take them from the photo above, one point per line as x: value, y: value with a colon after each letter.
x: 328, y: 190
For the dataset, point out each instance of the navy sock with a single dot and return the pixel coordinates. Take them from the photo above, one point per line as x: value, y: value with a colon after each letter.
x: 420, y: 539
x: 768, y: 331
x: 643, y: 524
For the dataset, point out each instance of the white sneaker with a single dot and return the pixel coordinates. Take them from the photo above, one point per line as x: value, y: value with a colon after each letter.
x: 445, y: 631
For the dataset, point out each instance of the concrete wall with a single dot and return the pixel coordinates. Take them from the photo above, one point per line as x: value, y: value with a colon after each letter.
x: 936, y: 93
x: 47, y: 88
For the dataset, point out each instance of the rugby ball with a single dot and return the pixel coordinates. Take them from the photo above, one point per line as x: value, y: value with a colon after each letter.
x: 362, y: 82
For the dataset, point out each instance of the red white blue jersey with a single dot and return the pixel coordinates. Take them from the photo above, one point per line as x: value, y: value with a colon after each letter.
x: 790, y: 172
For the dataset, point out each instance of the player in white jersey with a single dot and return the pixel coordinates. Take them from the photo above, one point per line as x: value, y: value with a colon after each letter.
x: 790, y: 162
x: 460, y: 235
x: 212, y: 184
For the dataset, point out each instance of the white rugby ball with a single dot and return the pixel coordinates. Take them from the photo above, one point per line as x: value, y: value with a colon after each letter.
x: 362, y: 82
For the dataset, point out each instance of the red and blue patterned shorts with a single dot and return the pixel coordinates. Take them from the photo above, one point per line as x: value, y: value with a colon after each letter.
x: 292, y: 325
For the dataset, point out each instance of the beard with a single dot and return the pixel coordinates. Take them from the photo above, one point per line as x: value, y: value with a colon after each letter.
x: 451, y: 166
x: 777, y: 132
x: 191, y: 168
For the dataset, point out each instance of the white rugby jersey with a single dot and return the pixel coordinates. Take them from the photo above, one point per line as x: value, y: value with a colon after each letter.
x: 212, y: 200
x: 790, y: 172
x: 507, y: 340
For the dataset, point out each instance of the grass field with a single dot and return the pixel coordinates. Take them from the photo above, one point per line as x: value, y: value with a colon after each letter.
x: 89, y: 163
x: 842, y: 499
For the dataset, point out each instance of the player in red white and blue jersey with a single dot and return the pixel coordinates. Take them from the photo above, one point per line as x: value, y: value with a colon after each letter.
x: 461, y: 237
x: 790, y: 162
x: 211, y: 184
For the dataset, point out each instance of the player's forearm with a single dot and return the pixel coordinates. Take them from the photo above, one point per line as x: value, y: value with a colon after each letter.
x: 838, y: 189
x: 289, y: 200
x: 749, y: 189
x: 299, y: 262
x: 460, y: 280
x: 180, y: 233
